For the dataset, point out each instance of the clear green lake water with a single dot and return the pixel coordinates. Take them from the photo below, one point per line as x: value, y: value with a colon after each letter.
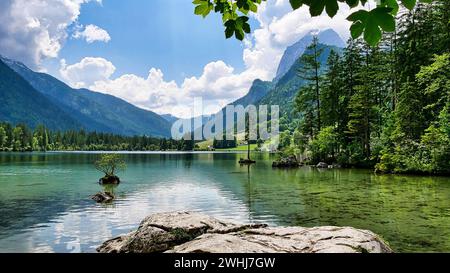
x: 45, y: 204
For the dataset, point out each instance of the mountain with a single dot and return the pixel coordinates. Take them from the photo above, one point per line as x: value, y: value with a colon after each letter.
x: 171, y: 119
x: 293, y: 52
x: 21, y: 103
x: 94, y: 111
x: 257, y: 91
x: 280, y: 92
x: 285, y: 89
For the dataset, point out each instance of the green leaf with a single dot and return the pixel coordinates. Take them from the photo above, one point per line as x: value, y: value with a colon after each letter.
x: 230, y: 27
x: 356, y: 29
x: 295, y: 4
x: 360, y: 15
x: 253, y: 7
x: 203, y: 9
x: 372, y: 32
x: 352, y: 3
x: 316, y: 7
x: 384, y: 19
x: 332, y: 7
x: 239, y: 34
x: 246, y: 28
x: 199, y: 9
x: 409, y: 4
x: 229, y: 32
x: 393, y: 4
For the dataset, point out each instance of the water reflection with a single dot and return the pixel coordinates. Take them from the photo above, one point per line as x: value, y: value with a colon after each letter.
x: 45, y: 204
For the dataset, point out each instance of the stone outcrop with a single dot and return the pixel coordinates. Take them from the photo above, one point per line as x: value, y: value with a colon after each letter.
x: 187, y: 232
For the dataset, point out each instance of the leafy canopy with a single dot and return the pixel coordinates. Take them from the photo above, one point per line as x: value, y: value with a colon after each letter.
x: 110, y: 164
x: 366, y: 23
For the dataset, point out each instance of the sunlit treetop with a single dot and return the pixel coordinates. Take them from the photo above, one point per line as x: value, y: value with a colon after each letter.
x: 367, y: 23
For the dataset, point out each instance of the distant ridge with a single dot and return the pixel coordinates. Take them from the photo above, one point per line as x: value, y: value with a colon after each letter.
x: 93, y: 111
x: 21, y: 103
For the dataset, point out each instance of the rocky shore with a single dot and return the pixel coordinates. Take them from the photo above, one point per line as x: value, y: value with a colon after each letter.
x: 188, y: 232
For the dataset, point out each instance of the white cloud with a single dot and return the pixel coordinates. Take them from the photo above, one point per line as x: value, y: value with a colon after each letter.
x: 151, y: 92
x: 31, y: 30
x: 219, y: 83
x: 280, y: 27
x: 93, y: 33
x: 87, y: 72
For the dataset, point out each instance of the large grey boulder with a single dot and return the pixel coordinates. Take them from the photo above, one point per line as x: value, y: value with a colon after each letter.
x: 162, y: 231
x: 186, y: 232
x: 288, y: 240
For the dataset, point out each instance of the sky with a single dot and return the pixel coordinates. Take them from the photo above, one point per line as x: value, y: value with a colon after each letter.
x: 154, y: 54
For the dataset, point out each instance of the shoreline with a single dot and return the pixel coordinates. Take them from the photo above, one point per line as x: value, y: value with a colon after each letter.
x: 412, y: 174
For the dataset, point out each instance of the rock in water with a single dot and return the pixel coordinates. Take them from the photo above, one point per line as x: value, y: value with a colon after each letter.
x: 286, y: 162
x: 243, y: 161
x: 322, y: 165
x: 187, y: 232
x: 109, y: 180
x: 103, y: 197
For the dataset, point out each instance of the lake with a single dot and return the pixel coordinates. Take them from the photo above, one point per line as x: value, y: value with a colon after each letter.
x: 45, y: 203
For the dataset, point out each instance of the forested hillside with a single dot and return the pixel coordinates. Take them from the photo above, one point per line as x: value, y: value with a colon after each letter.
x: 94, y: 111
x: 21, y: 103
x: 386, y: 106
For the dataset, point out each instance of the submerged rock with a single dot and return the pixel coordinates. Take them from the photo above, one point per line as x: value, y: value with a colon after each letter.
x: 187, y: 232
x: 109, y: 180
x: 103, y: 197
x: 286, y: 162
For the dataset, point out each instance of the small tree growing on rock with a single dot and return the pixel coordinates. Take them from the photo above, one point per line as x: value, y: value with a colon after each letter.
x: 110, y: 164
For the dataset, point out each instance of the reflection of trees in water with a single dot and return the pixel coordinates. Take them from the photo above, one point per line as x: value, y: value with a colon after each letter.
x: 248, y: 188
x: 110, y: 188
x: 188, y: 159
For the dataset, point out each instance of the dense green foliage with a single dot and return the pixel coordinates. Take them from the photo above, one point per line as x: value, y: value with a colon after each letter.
x: 110, y: 164
x: 386, y: 106
x: 20, y: 138
x: 371, y: 22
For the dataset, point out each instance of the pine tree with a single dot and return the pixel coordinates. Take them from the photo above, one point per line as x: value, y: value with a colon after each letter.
x: 331, y: 91
x: 304, y: 104
x: 310, y: 71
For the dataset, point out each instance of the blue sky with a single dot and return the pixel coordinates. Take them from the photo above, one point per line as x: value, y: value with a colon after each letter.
x: 154, y: 54
x: 157, y: 33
